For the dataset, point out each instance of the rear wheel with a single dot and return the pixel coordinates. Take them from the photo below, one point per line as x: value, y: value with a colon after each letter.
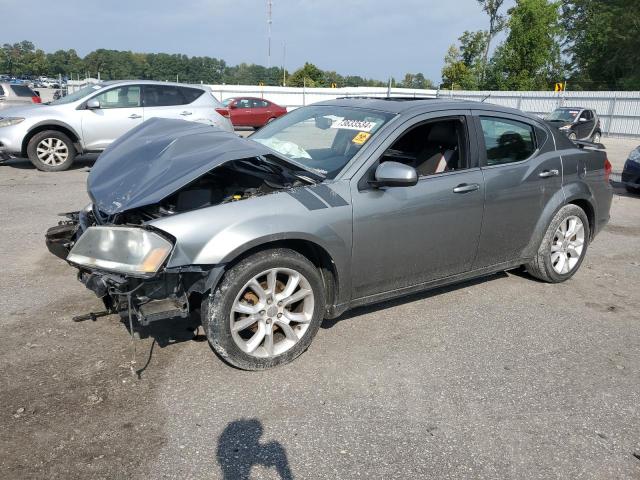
x: 266, y: 310
x: 596, y: 137
x: 51, y: 151
x: 573, y: 136
x: 563, y: 247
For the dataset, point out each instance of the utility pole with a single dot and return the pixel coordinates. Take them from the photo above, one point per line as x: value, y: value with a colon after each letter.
x: 284, y: 64
x: 269, y: 6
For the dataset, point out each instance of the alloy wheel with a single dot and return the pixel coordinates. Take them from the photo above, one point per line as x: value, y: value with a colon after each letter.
x: 567, y: 245
x: 52, y: 151
x: 272, y: 312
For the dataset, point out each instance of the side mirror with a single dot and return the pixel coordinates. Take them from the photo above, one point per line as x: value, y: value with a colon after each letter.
x: 394, y: 174
x: 93, y: 104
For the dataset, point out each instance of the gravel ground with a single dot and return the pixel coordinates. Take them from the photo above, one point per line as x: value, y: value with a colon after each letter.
x: 504, y: 377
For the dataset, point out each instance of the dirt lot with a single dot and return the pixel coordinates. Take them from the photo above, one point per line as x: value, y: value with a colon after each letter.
x: 500, y: 378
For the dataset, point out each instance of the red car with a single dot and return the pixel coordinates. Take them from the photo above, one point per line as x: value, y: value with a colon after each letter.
x: 252, y: 112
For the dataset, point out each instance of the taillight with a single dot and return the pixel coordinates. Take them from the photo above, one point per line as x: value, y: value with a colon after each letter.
x: 608, y: 168
x: 224, y: 112
x: 36, y: 99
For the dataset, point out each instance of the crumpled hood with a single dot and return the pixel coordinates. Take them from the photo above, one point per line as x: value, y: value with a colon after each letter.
x: 159, y: 157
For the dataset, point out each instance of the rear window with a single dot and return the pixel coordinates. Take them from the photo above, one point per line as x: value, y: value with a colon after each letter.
x: 507, y: 140
x: 22, y: 91
x: 163, y: 96
x: 190, y: 94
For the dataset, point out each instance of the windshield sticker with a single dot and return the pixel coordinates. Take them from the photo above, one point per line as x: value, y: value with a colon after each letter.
x: 359, y: 125
x: 360, y: 138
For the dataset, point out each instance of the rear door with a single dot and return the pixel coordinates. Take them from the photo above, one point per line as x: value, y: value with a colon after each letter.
x: 261, y: 112
x: 120, y: 111
x: 406, y: 236
x: 521, y: 173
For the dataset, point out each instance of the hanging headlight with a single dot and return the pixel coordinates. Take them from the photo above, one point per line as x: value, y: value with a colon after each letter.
x: 121, y: 249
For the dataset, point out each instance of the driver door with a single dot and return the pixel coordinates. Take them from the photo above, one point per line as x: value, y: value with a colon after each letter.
x: 120, y: 110
x: 406, y: 236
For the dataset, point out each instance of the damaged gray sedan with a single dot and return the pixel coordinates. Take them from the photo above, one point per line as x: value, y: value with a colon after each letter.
x: 335, y: 205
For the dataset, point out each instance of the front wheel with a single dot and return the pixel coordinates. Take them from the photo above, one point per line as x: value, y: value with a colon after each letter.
x: 596, y: 137
x: 266, y: 310
x: 573, y: 137
x: 563, y: 247
x: 51, y: 151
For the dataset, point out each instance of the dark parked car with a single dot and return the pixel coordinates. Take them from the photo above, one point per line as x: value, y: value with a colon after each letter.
x: 577, y: 123
x: 252, y: 112
x: 338, y: 204
x: 631, y: 172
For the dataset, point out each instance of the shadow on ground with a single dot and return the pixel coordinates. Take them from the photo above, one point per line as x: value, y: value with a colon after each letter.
x: 240, y: 449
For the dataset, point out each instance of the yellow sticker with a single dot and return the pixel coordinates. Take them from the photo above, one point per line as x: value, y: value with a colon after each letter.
x: 361, y: 137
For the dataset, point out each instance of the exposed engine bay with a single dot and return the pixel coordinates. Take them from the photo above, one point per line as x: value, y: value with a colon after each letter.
x: 231, y: 182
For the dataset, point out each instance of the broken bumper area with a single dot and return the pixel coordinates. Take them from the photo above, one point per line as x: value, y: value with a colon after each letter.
x: 149, y: 297
x: 150, y: 300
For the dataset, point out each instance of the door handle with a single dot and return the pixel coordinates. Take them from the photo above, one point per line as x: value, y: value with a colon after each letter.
x: 549, y: 173
x: 465, y: 188
x: 185, y: 113
x: 133, y: 116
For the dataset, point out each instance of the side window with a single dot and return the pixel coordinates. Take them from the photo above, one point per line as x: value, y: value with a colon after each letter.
x: 1, y: 90
x: 191, y: 94
x: 243, y: 103
x: 431, y: 148
x: 256, y: 103
x: 162, y: 96
x: 506, y: 140
x: 121, y: 97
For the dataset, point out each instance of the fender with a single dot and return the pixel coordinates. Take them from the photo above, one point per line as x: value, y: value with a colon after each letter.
x: 77, y: 141
x: 232, y: 229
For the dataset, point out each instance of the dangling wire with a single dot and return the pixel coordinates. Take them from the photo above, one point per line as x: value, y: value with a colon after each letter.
x: 132, y: 363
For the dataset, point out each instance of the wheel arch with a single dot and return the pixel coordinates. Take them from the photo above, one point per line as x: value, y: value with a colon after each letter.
x: 313, y: 251
x: 50, y: 125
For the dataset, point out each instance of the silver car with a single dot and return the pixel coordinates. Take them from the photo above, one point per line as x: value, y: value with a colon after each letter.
x: 90, y: 119
x: 335, y: 205
x: 16, y: 94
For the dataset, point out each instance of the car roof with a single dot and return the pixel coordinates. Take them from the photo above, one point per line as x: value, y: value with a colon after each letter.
x: 402, y: 105
x: 110, y: 83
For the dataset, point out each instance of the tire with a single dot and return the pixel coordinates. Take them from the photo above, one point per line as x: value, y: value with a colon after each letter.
x: 573, y: 137
x: 51, y: 151
x: 596, y: 137
x: 546, y: 263
x: 633, y: 190
x: 247, y: 346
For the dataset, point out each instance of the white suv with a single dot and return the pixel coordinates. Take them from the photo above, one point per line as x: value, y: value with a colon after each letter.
x: 90, y: 119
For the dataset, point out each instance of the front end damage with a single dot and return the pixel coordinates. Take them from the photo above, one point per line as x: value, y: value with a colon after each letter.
x: 163, y: 168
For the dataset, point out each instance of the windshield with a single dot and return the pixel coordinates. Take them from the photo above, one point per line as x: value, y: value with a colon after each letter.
x: 77, y: 95
x: 322, y: 138
x: 562, y: 115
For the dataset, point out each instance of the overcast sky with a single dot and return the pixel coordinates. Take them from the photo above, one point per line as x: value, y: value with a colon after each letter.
x: 372, y: 38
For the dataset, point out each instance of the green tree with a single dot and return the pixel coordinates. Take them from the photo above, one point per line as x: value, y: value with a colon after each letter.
x: 455, y: 73
x: 496, y: 24
x: 309, y: 75
x: 603, y: 43
x: 529, y: 59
